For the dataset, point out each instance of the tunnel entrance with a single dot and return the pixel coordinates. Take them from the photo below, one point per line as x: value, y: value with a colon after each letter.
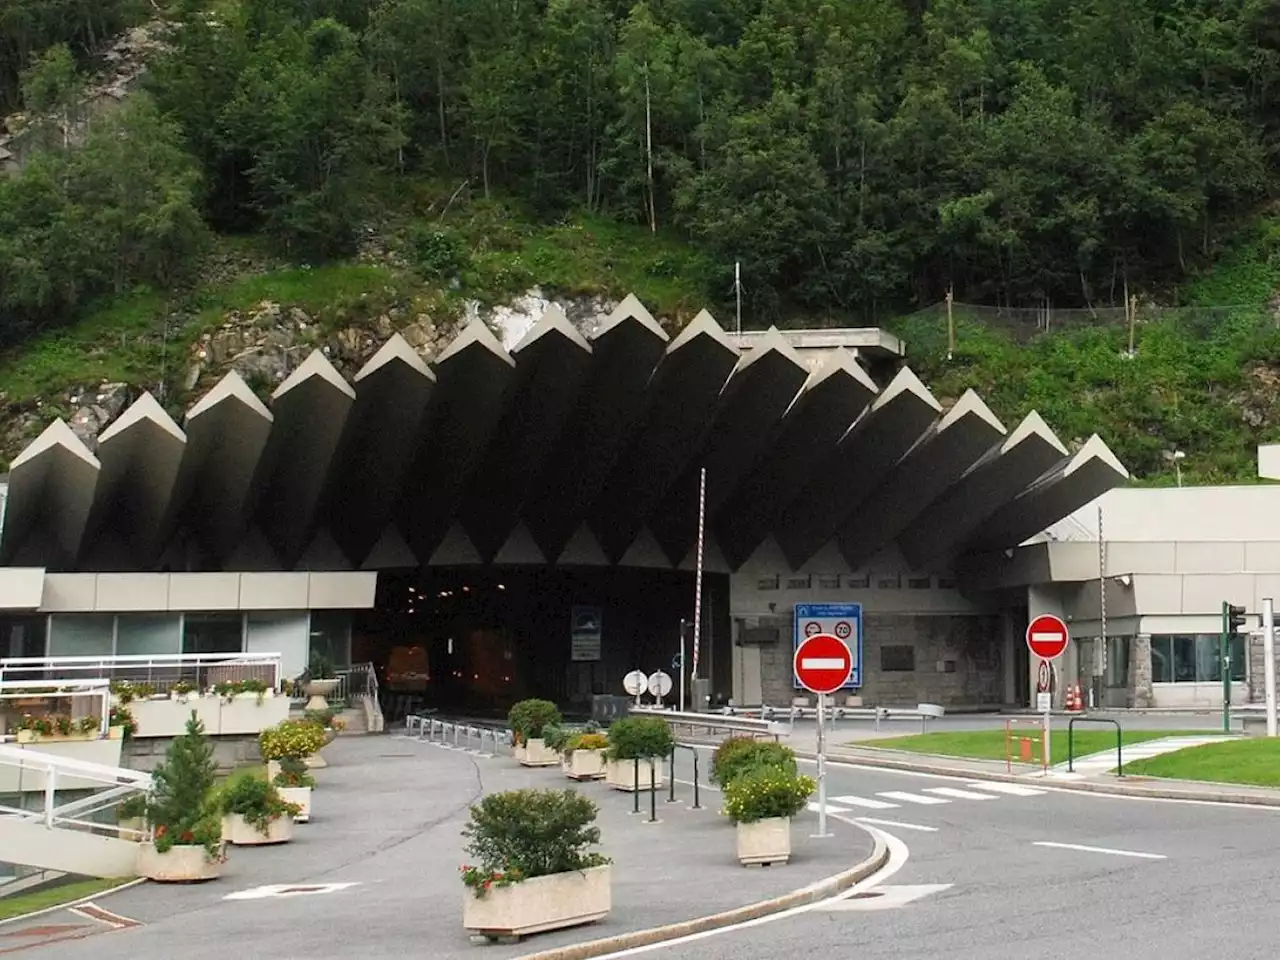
x: 471, y: 641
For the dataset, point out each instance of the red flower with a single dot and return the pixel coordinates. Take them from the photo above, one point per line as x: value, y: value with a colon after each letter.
x: 186, y: 837
x: 161, y: 830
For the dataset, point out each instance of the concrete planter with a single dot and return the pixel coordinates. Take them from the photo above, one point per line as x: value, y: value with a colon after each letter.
x: 318, y: 691
x: 765, y: 841
x: 535, y: 753
x: 543, y: 903
x: 586, y: 765
x: 239, y: 715
x: 30, y: 736
x: 620, y: 774
x: 315, y: 761
x: 302, y: 797
x: 180, y: 864
x: 130, y: 827
x: 236, y: 830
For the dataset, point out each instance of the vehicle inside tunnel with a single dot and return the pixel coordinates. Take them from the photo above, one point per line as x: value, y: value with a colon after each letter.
x: 473, y: 640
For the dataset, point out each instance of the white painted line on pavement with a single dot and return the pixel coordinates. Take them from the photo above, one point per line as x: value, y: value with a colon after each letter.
x: 1117, y: 853
x: 1012, y: 789
x: 919, y: 798
x: 865, y: 802
x: 74, y: 903
x: 959, y: 794
x: 91, y: 911
x: 897, y: 823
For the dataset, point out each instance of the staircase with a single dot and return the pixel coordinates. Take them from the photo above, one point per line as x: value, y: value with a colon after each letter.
x: 50, y: 832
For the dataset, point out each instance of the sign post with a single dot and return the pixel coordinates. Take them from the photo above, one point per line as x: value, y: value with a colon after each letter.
x: 823, y: 663
x: 681, y: 666
x: 1269, y: 662
x: 1047, y: 638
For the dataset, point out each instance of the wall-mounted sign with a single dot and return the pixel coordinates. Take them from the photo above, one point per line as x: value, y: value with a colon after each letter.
x: 584, y: 633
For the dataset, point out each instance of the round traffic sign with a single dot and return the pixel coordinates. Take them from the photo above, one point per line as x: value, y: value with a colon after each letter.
x: 1047, y: 636
x: 812, y: 628
x: 844, y: 629
x: 823, y: 663
x: 659, y: 684
x: 1044, y: 677
x: 635, y: 682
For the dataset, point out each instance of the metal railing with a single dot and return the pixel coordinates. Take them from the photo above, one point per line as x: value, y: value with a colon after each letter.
x: 99, y: 688
x: 923, y: 712
x: 113, y: 783
x: 160, y: 672
x: 716, y: 723
x: 466, y: 737
x: 1071, y: 742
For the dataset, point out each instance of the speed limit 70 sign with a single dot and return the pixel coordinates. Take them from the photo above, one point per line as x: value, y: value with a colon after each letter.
x: 840, y: 620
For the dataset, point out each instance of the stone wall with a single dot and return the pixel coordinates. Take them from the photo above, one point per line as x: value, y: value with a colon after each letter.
x: 957, y: 660
x: 230, y: 752
x: 1256, y: 676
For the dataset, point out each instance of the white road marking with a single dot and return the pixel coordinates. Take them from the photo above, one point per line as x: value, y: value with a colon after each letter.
x: 865, y: 802
x: 1117, y: 853
x: 91, y: 911
x: 831, y: 808
x: 890, y: 898
x: 911, y: 797
x: 959, y: 794
x: 897, y: 823
x: 284, y: 890
x: 1012, y: 789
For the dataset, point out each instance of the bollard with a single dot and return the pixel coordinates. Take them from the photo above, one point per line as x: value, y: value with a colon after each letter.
x: 635, y: 783
x: 672, y: 797
x: 653, y: 794
x: 455, y: 736
x: 697, y: 805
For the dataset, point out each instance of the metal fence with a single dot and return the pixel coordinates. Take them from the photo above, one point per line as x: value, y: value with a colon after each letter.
x: 160, y: 673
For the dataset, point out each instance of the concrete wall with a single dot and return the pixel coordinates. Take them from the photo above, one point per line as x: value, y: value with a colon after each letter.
x: 68, y: 851
x: 242, y: 714
x: 105, y: 752
x: 229, y: 753
x: 184, y: 592
x: 1241, y: 513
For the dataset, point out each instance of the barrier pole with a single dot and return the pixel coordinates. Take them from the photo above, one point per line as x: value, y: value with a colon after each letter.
x: 653, y: 793
x: 635, y: 783
x: 672, y: 777
x: 697, y: 805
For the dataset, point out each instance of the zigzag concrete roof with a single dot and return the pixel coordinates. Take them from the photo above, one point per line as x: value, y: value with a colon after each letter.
x: 568, y: 449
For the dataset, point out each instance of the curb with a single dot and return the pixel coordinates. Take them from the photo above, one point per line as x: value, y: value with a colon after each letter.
x: 1158, y: 792
x: 43, y: 911
x: 813, y: 893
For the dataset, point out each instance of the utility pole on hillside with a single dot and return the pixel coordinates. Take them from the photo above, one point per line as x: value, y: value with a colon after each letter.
x: 648, y: 149
x: 737, y: 294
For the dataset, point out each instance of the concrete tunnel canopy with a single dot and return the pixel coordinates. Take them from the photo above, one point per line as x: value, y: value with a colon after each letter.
x: 569, y: 449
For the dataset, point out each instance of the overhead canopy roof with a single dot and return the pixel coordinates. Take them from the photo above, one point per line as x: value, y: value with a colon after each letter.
x: 567, y: 449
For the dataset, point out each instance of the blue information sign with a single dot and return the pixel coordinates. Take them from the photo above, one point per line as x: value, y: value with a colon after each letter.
x: 843, y: 620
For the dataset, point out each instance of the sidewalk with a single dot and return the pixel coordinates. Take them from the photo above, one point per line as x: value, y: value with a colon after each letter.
x: 387, y: 817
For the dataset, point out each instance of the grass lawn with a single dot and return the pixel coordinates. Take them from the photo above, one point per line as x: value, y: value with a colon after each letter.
x: 1254, y: 761
x: 23, y: 903
x: 990, y: 744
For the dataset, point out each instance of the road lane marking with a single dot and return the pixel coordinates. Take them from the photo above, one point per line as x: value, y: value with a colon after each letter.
x: 1012, y: 789
x: 91, y: 911
x: 890, y: 898
x: 1116, y: 853
x: 897, y: 823
x: 911, y: 797
x: 865, y: 802
x: 959, y: 794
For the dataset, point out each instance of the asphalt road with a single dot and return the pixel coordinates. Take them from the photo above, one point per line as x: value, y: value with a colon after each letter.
x: 1166, y: 880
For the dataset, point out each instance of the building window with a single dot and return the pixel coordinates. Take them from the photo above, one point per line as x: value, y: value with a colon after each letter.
x: 893, y: 582
x: 81, y: 635
x: 213, y: 633
x: 860, y: 581
x: 919, y: 583
x: 946, y: 583
x: 897, y: 659
x: 331, y: 636
x: 829, y: 583
x: 800, y: 583
x: 769, y: 583
x: 148, y: 634
x: 1194, y: 658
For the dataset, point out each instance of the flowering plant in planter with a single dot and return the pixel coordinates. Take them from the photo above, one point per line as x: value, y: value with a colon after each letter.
x: 41, y: 724
x: 634, y: 738
x: 764, y: 792
x: 291, y: 739
x: 738, y: 754
x: 256, y: 802
x: 293, y: 773
x: 529, y: 718
x: 523, y: 834
x: 123, y: 717
x: 179, y: 808
x: 182, y: 689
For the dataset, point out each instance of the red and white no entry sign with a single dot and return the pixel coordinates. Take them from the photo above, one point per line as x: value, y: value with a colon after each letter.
x: 823, y: 663
x: 1047, y: 637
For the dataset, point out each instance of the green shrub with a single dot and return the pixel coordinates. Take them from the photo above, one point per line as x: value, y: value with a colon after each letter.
x: 521, y: 834
x: 585, y: 741
x: 762, y: 792
x: 259, y: 803
x: 634, y: 738
x: 739, y: 754
x: 529, y: 718
x: 293, y: 773
x: 438, y: 254
x: 179, y: 807
x: 556, y: 736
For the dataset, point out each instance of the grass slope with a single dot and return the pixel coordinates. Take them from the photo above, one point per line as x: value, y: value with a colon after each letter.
x: 1253, y: 761
x: 20, y: 904
x: 992, y: 744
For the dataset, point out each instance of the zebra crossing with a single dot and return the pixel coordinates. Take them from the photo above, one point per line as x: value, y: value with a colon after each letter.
x: 929, y: 796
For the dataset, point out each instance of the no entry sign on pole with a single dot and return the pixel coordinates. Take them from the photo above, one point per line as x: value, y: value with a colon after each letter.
x: 1047, y: 637
x: 823, y: 663
x: 841, y: 620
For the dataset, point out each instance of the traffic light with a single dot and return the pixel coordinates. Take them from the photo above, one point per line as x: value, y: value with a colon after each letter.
x: 1235, y: 619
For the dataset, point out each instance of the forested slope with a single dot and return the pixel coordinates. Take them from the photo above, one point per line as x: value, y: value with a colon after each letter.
x: 858, y: 159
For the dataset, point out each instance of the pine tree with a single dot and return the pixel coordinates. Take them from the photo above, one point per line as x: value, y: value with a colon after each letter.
x: 179, y: 801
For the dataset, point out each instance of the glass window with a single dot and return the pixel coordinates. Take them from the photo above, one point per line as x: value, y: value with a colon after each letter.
x: 81, y: 635
x: 1162, y: 659
x: 1239, y: 661
x: 1184, y: 658
x: 148, y: 634
x: 1117, y: 661
x: 331, y: 636
x: 213, y: 633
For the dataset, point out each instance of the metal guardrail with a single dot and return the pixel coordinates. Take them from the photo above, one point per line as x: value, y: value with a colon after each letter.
x: 923, y: 712
x: 466, y: 737
x: 119, y: 783
x: 203, y: 670
x: 714, y: 722
x: 1071, y: 742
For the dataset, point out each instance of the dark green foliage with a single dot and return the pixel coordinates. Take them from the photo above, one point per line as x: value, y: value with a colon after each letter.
x: 634, y: 738
x: 438, y: 254
x: 738, y: 755
x: 179, y: 808
x: 258, y: 802
x: 529, y: 718
x: 532, y: 833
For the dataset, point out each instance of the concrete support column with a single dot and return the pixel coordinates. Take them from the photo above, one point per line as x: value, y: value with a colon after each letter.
x: 1009, y: 656
x: 1140, y: 693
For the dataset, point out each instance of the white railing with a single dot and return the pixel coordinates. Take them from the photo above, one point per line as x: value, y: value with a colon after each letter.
x: 713, y: 722
x: 56, y: 773
x: 70, y: 689
x: 201, y: 670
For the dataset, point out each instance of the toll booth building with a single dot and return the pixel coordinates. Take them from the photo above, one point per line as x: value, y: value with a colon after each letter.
x: 502, y: 521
